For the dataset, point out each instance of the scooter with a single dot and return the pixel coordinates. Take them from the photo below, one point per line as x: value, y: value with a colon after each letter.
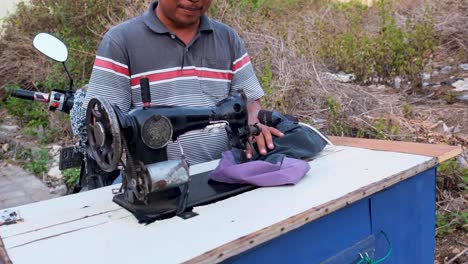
x: 91, y: 176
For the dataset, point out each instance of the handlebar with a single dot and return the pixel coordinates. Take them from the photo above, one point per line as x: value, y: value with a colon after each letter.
x: 30, y: 95
x: 57, y: 99
x: 23, y: 94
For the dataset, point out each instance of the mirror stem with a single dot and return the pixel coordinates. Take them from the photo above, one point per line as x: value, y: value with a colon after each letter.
x: 70, y: 88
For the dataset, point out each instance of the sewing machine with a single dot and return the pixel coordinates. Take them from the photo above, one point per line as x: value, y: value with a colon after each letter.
x: 154, y: 187
x: 135, y: 143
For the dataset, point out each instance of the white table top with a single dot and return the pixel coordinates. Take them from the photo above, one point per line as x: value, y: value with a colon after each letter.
x: 89, y: 228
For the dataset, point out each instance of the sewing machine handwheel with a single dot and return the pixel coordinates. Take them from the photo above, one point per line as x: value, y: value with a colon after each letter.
x: 103, y: 131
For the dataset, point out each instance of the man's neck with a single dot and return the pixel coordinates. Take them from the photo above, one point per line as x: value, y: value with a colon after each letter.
x: 185, y: 32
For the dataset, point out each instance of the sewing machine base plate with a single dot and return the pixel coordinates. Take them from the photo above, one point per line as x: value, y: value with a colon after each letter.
x: 202, y: 191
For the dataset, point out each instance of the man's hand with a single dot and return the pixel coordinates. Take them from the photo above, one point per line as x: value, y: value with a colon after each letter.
x: 265, y: 139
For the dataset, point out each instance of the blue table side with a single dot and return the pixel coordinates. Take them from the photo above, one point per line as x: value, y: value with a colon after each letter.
x: 404, y: 211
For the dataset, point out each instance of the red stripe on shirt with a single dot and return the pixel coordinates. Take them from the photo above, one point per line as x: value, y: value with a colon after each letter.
x: 183, y: 73
x: 111, y: 66
x: 240, y: 63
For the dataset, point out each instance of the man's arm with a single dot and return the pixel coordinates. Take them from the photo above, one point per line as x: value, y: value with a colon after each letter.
x: 244, y: 78
x: 110, y: 77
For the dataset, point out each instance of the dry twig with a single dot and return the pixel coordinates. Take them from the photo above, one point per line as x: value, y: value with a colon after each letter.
x: 457, y: 256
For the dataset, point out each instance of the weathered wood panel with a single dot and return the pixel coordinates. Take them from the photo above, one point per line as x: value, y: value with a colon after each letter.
x: 440, y: 151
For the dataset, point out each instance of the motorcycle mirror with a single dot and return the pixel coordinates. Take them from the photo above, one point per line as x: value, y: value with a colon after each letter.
x: 51, y: 46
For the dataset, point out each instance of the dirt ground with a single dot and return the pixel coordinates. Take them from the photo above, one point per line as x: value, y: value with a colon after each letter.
x: 450, y: 247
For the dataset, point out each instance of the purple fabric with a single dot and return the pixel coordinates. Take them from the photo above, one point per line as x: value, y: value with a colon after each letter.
x: 258, y: 172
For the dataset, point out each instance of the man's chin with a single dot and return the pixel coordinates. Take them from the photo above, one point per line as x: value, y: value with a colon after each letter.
x: 188, y: 12
x: 185, y: 21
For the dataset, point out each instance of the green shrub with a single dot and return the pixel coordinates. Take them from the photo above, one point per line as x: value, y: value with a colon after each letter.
x: 451, y: 176
x: 48, y: 135
x: 335, y: 124
x: 376, y: 56
x: 39, y: 163
x: 384, y: 129
x: 34, y: 118
x: 450, y: 97
x: 263, y: 5
x: 29, y: 114
x: 448, y: 222
x: 71, y: 176
x: 407, y: 110
x: 24, y: 154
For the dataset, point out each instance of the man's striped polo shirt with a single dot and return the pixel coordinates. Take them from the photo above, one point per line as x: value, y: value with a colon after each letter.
x: 198, y: 74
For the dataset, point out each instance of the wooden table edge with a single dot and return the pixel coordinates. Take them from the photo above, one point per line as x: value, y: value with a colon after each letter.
x: 442, y: 152
x: 4, y: 259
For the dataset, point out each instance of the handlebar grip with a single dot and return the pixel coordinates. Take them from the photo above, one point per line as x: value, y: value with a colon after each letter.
x: 23, y: 94
x: 30, y: 95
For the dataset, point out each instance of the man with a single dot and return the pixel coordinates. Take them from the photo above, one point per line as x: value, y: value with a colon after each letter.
x: 189, y: 59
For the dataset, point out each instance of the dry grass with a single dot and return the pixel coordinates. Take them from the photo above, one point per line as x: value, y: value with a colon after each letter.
x: 281, y: 41
x: 288, y: 44
x: 20, y: 64
x: 23, y: 66
x: 299, y: 84
x: 451, y: 18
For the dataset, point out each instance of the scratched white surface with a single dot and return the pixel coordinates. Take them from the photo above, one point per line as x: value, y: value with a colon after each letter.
x: 90, y: 228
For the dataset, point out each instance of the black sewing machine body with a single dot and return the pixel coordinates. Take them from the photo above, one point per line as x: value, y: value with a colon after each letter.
x: 154, y: 187
x: 151, y: 129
